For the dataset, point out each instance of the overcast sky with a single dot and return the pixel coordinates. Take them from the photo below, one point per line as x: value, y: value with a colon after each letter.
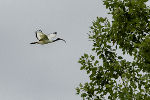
x: 44, y: 72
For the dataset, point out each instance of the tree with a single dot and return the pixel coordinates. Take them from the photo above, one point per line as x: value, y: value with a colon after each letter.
x: 110, y: 74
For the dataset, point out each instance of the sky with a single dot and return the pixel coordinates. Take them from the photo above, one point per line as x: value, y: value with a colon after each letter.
x: 51, y: 71
x: 44, y: 72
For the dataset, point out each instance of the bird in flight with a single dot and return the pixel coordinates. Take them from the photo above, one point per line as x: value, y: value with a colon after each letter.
x: 45, y: 39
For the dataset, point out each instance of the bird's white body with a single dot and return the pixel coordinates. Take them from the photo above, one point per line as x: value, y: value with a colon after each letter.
x: 45, y: 39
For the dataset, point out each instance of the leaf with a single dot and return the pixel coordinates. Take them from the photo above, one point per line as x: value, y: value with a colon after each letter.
x: 83, y: 67
x: 119, y: 57
x: 92, y: 57
x: 86, y: 55
x: 83, y: 95
x: 96, y: 62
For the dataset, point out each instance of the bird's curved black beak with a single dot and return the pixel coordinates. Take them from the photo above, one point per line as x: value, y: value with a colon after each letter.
x: 61, y: 39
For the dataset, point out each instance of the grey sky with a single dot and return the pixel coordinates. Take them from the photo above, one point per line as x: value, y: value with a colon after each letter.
x: 44, y: 72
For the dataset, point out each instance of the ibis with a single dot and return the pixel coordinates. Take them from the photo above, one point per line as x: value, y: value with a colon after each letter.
x: 45, y: 39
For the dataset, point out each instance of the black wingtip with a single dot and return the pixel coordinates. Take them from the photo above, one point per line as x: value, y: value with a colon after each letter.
x: 54, y: 32
x: 39, y: 30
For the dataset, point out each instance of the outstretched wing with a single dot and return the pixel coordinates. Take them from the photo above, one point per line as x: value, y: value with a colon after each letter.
x: 41, y: 36
x: 52, y: 35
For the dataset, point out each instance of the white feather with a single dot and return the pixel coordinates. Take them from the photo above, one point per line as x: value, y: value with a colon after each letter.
x: 51, y: 36
x: 40, y: 35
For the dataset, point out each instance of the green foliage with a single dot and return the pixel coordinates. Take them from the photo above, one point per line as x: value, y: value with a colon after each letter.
x: 111, y: 74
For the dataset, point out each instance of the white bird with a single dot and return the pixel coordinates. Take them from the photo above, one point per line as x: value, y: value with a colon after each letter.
x: 45, y: 39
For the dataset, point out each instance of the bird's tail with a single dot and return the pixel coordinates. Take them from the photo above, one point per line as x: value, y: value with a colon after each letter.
x: 34, y: 43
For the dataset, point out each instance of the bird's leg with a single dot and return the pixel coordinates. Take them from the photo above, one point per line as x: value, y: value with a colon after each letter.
x: 34, y: 43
